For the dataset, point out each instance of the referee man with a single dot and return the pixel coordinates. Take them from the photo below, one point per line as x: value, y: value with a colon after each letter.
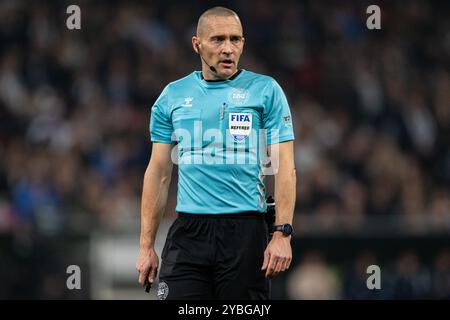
x: 221, y: 121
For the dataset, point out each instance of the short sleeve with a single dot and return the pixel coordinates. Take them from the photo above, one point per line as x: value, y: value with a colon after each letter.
x: 277, y: 115
x: 160, y: 123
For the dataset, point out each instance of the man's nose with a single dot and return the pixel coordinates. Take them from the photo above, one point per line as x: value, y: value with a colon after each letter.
x: 227, y: 47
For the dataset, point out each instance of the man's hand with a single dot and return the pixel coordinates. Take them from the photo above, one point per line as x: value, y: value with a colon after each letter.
x: 147, y: 265
x: 278, y: 255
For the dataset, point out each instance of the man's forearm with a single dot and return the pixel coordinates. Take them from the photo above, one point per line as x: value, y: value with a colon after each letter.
x: 285, y: 182
x: 154, y: 199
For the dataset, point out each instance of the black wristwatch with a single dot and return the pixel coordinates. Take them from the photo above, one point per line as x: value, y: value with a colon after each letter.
x: 286, y: 229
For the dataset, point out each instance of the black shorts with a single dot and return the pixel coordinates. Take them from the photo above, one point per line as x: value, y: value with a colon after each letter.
x: 215, y: 257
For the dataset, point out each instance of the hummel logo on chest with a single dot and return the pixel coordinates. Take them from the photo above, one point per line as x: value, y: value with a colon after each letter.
x: 187, y: 102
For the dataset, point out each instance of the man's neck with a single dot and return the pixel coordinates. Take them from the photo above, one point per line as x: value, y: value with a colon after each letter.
x: 215, y: 78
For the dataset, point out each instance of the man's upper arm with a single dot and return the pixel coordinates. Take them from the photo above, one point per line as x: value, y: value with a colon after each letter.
x: 160, y: 159
x: 287, y: 154
x: 277, y: 115
x: 282, y: 156
x: 161, y: 128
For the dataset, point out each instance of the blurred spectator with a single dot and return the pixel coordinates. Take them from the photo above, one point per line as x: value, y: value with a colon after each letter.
x: 441, y: 275
x: 355, y: 279
x: 412, y: 280
x: 312, y: 279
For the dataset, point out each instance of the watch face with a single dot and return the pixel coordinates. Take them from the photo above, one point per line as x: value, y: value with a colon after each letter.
x: 287, y: 229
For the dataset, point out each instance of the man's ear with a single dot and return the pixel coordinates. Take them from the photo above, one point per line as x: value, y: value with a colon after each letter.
x: 195, y: 44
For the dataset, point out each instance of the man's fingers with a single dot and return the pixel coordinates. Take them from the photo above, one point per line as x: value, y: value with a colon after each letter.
x: 277, y: 265
x: 271, y: 266
x: 280, y: 265
x: 143, y: 276
x: 285, y: 264
x: 288, y: 263
x: 152, y: 274
x: 266, y: 260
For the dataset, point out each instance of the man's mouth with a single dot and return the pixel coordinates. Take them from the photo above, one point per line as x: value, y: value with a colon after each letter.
x: 227, y: 63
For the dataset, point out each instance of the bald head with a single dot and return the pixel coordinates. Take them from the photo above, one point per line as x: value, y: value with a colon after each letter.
x: 202, y: 24
x: 219, y: 42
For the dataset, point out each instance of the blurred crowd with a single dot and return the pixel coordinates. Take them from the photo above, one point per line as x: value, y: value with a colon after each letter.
x: 371, y: 108
x: 404, y: 277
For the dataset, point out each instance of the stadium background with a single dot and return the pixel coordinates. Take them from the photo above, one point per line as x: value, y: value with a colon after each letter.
x: 371, y: 113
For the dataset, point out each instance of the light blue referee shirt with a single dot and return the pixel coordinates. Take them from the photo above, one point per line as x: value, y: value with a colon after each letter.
x: 221, y: 130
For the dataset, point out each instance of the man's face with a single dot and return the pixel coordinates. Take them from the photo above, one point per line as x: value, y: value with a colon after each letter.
x: 221, y: 44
